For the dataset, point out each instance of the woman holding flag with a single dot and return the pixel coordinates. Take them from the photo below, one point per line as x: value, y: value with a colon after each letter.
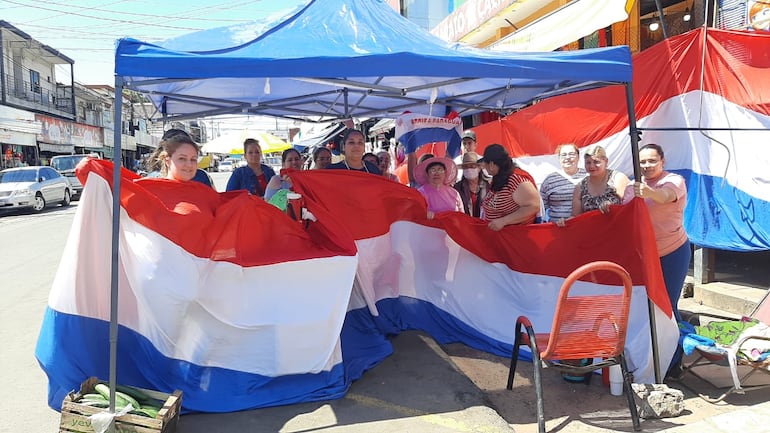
x: 354, y: 147
x: 512, y: 197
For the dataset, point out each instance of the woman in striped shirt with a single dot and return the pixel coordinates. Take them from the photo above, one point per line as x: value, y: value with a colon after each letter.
x: 512, y: 197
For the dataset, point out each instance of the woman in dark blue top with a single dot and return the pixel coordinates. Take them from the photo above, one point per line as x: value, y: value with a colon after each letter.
x: 354, y: 147
x: 255, y: 175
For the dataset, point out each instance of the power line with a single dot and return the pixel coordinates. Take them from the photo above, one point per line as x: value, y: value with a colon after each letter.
x: 107, y: 19
x: 137, y: 14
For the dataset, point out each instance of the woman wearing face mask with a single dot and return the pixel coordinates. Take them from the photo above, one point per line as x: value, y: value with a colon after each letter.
x: 473, y: 186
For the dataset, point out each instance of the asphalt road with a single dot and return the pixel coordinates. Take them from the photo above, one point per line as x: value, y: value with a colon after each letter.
x: 31, y: 247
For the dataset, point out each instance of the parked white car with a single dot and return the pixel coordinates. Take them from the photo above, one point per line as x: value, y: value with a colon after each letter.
x: 33, y: 187
x: 226, y: 166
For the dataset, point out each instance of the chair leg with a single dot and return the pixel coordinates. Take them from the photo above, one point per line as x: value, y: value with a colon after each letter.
x: 538, y: 386
x: 514, y: 355
x: 629, y: 392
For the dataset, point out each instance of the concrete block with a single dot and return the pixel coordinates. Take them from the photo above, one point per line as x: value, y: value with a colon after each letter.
x: 732, y: 298
x: 658, y: 400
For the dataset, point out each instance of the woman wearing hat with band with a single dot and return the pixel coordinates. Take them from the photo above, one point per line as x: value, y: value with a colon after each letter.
x: 436, y: 176
x: 512, y: 196
x: 472, y: 186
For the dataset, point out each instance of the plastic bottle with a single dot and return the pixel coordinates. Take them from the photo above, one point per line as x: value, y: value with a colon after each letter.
x: 616, y: 380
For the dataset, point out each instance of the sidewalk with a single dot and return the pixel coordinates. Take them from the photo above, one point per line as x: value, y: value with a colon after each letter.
x: 424, y: 387
x: 416, y: 389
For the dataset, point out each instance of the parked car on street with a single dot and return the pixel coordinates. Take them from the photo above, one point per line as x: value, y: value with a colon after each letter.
x: 33, y: 187
x: 65, y: 164
x: 226, y: 166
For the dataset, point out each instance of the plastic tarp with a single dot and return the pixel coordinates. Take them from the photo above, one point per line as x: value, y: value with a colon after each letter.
x: 341, y: 58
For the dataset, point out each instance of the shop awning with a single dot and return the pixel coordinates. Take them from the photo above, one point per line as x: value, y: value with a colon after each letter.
x: 575, y: 20
x: 382, y: 127
x: 319, y: 138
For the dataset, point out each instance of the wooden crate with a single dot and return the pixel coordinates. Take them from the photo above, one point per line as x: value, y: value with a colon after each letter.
x: 75, y: 416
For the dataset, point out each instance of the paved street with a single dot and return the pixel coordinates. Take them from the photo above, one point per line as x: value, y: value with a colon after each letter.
x: 29, y: 256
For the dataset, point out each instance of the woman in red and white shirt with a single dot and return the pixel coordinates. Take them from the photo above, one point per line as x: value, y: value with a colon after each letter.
x: 512, y: 197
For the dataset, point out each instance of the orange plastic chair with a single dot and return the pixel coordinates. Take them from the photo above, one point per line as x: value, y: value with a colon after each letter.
x: 585, y: 326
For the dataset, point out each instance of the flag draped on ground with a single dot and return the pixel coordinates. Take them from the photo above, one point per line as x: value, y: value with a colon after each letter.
x: 706, y: 93
x: 229, y: 300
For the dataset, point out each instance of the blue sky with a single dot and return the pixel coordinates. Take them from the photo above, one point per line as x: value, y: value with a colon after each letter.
x: 86, y: 30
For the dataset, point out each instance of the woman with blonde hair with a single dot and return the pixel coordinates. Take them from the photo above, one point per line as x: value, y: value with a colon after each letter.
x: 601, y: 188
x: 557, y: 188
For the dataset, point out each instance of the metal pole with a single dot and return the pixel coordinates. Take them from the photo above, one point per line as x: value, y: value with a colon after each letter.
x: 637, y: 176
x: 662, y: 19
x: 116, y: 161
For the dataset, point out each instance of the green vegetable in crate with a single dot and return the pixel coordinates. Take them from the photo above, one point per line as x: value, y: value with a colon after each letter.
x: 147, y: 411
x: 121, y: 399
x: 95, y: 400
x: 137, y: 394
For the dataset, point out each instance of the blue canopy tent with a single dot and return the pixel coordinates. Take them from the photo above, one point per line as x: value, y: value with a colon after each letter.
x: 338, y: 59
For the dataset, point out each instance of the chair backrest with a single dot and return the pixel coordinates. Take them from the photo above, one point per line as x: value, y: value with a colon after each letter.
x: 590, y: 325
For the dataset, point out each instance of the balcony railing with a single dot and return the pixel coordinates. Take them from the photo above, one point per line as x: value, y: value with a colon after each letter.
x: 54, y: 99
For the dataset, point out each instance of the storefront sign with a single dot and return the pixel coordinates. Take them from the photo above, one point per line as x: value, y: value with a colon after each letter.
x: 759, y: 15
x: 15, y: 137
x: 468, y: 17
x: 58, y: 131
x: 537, y: 35
x: 56, y: 148
x: 22, y: 121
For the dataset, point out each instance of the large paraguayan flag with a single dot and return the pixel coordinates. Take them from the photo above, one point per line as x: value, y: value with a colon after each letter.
x: 227, y: 299
x: 703, y: 96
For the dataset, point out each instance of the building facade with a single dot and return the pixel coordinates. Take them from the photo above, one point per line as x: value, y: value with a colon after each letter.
x: 44, y: 112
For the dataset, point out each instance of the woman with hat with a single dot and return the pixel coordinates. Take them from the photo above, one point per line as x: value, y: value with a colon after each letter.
x: 436, y: 176
x: 512, y: 196
x: 473, y: 186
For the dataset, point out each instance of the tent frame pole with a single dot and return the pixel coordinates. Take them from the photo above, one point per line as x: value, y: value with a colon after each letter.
x: 116, y: 161
x: 635, y: 135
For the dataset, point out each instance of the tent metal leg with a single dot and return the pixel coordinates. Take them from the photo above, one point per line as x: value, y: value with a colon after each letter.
x: 634, y: 132
x: 117, y: 157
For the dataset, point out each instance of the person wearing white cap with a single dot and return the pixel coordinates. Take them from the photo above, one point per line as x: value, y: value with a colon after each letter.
x: 469, y: 141
x: 469, y: 145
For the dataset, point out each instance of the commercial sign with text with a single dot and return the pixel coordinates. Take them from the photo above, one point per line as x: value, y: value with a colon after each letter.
x: 58, y: 131
x: 468, y: 17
